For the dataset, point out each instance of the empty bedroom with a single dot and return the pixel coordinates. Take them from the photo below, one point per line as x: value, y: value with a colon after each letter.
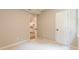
x: 39, y: 29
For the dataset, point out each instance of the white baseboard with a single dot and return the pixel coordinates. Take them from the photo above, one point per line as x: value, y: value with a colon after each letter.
x: 13, y: 44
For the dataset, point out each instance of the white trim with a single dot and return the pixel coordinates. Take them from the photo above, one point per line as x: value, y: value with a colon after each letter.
x: 13, y: 44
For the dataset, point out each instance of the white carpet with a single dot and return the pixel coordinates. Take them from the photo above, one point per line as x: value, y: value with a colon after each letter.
x: 38, y: 45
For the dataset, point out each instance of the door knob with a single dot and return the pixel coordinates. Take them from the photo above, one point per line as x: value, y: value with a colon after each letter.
x: 57, y: 29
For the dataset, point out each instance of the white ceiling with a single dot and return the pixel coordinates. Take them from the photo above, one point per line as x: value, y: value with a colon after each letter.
x: 34, y: 11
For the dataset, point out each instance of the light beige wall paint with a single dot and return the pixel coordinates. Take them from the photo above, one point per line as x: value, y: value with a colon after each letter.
x: 46, y: 24
x: 78, y: 29
x: 14, y: 26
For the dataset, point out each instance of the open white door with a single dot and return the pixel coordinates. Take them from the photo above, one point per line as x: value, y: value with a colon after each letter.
x: 65, y: 26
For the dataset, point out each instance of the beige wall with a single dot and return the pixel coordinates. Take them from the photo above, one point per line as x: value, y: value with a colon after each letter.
x: 14, y: 26
x: 46, y: 24
x: 78, y: 29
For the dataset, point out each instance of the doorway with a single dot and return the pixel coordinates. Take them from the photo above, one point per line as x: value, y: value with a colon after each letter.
x: 33, y: 27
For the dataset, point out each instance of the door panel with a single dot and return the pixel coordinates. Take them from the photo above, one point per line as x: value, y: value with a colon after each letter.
x: 65, y: 26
